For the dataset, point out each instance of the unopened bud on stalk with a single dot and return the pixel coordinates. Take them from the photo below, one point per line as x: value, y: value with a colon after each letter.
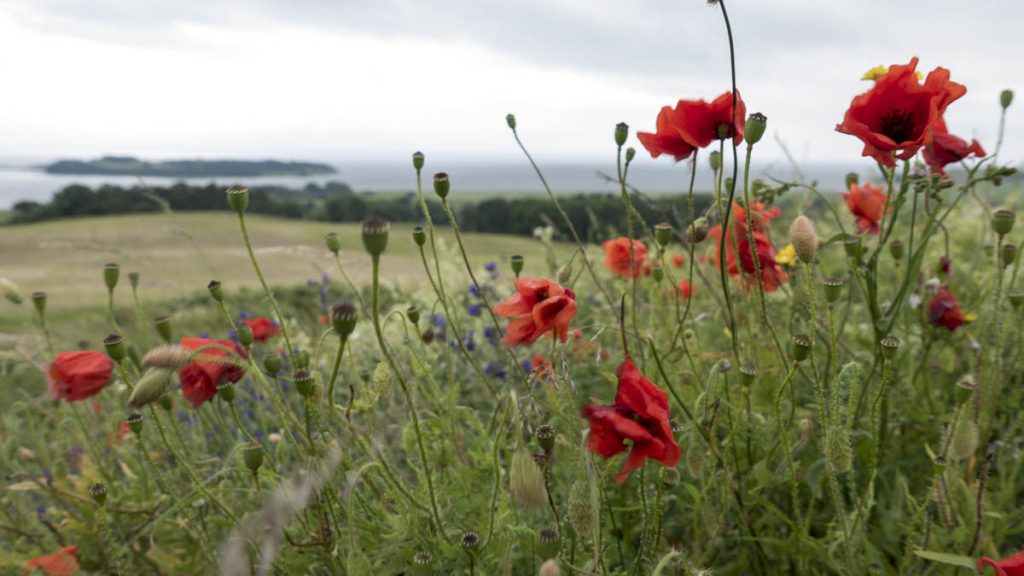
x: 303, y: 383
x: 526, y: 481
x: 163, y: 327
x: 413, y: 314
x: 333, y: 242
x: 226, y: 391
x: 670, y: 477
x: 896, y: 249
x: 419, y: 235
x: 1006, y: 98
x: 510, y: 119
x: 167, y: 357
x: 516, y: 263
x: 39, y: 301
x: 272, y: 364
x: 252, y: 457
x: 98, y: 491
x: 427, y: 336
x: 890, y: 345
x: 375, y: 235
x: 238, y: 198
x: 1008, y: 254
x: 663, y: 234
x: 10, y: 291
x: 111, y: 273
x: 134, y: 421
x: 216, y: 292
x: 965, y: 439
x: 442, y: 185
x: 114, y: 344
x: 804, y: 238
x: 698, y: 230
x: 801, y: 347
x: 715, y: 160
x: 755, y: 127
x: 245, y: 336
x: 564, y: 273
x: 417, y: 160
x: 1003, y: 220
x: 546, y: 437
x: 833, y: 289
x: 657, y: 273
x: 550, y: 568
x: 548, y: 542
x: 343, y: 318
x: 133, y: 279
x: 851, y: 179
x: 630, y: 154
x: 581, y: 508
x: 150, y: 387
x: 621, y: 133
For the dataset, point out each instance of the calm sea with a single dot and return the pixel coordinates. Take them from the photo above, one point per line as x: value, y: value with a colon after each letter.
x: 20, y: 180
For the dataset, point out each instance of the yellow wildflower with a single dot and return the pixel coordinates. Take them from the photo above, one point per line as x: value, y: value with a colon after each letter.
x: 787, y: 257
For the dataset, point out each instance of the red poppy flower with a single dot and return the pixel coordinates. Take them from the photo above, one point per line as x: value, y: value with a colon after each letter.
x: 79, y: 375
x: 62, y: 563
x: 677, y: 260
x: 263, y: 328
x: 867, y: 203
x: 738, y: 240
x: 946, y: 148
x: 617, y: 257
x: 200, y: 377
x: 945, y: 266
x: 700, y: 123
x: 896, y: 116
x: 685, y: 289
x: 640, y: 415
x: 537, y: 307
x: 666, y: 138
x: 1012, y: 566
x: 944, y: 310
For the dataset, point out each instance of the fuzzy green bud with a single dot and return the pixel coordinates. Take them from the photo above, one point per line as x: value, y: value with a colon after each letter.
x: 10, y: 291
x: 238, y: 198
x: 581, y: 509
x: 549, y: 544
x: 111, y: 273
x: 418, y: 160
x: 1003, y: 220
x: 303, y: 383
x: 715, y: 160
x: 516, y: 263
x: 670, y: 477
x: 630, y: 154
x: 168, y: 357
x: 1006, y: 98
x: 39, y: 301
x: 383, y: 379
x: 510, y: 119
x: 442, y: 185
x: 272, y: 364
x: 150, y: 387
x: 965, y: 439
x: 419, y: 235
x: 801, y: 347
x: 134, y: 421
x: 333, y: 242
x: 754, y: 130
x: 833, y: 289
x: 564, y: 274
x: 804, y: 238
x: 115, y: 347
x: 663, y: 234
x: 98, y: 492
x: 252, y: 457
x: 546, y: 437
x: 163, y: 327
x: 216, y: 291
x: 343, y: 318
x: 621, y: 133
x: 375, y: 235
x: 896, y: 249
x: 245, y: 336
x: 413, y: 314
x: 526, y: 481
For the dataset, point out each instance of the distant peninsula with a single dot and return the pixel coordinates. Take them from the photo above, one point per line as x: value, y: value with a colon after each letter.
x: 129, y: 166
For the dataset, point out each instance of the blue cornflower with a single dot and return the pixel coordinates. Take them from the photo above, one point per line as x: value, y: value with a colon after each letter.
x: 474, y: 309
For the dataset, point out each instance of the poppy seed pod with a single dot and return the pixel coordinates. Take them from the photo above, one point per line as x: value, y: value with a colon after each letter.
x: 216, y: 292
x: 163, y: 327
x: 833, y: 289
x: 375, y: 235
x: 111, y: 273
x: 114, y: 344
x: 1003, y: 220
x: 550, y: 568
x: 344, y: 317
x: 226, y: 391
x: 133, y: 279
x: 890, y: 345
x: 516, y: 263
x: 852, y: 246
x: 546, y: 437
x: 804, y: 238
x: 715, y: 160
x: 333, y: 242
x: 39, y: 301
x: 303, y: 383
x: 548, y: 542
x: 663, y: 234
x: 421, y: 562
x: 245, y: 336
x: 896, y: 249
x: 442, y: 185
x: 754, y: 130
x: 238, y: 198
x: 510, y: 119
x: 419, y: 235
x: 417, y: 160
x: 1008, y: 254
x: 748, y: 374
x: 630, y: 154
x: 252, y: 457
x: 150, y: 387
x: 1016, y: 298
x: 413, y: 314
x: 134, y: 421
x: 1006, y: 98
x: 657, y: 273
x: 526, y: 481
x: 470, y: 541
x: 98, y: 492
x: 801, y: 347
x: 272, y: 364
x: 621, y: 133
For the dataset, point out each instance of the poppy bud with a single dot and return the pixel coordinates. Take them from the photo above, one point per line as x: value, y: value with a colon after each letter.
x: 510, y: 119
x: 10, y: 291
x: 419, y: 235
x: 226, y: 391
x: 301, y: 360
x: 851, y: 179
x: 965, y: 388
x: 1008, y: 254
x: 853, y: 247
x: 252, y: 457
x: 546, y: 437
x: 39, y: 301
x: 383, y: 379
x: 216, y: 292
x: 343, y: 318
x: 698, y: 230
x: 833, y: 289
x: 134, y: 421
x: 657, y: 273
x: 245, y: 336
x: 564, y: 273
x: 663, y: 233
x: 548, y: 542
x: 333, y: 242
x: 441, y: 185
x: 715, y: 160
x: 516, y: 263
x: 890, y: 345
x: 801, y: 347
x: 427, y: 336
x: 896, y: 249
x: 470, y: 542
x: 417, y: 160
x: 115, y: 347
x: 163, y: 327
x: 98, y: 491
x: 1003, y: 220
x: 167, y: 357
x: 748, y: 374
x: 111, y: 272
x: 756, y: 125
x: 581, y: 509
x: 150, y: 387
x: 725, y: 366
x: 965, y: 439
x: 1006, y: 98
x: 413, y: 314
x: 272, y: 364
x: 303, y: 383
x: 526, y: 481
x: 133, y: 279
x: 621, y: 133
x: 550, y: 568
x: 724, y: 131
x: 1016, y: 298
x: 804, y: 238
x: 238, y: 198
x: 630, y: 154
x: 375, y: 235
x: 166, y: 403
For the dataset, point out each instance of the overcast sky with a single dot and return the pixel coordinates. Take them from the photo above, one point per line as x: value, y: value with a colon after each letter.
x: 361, y: 79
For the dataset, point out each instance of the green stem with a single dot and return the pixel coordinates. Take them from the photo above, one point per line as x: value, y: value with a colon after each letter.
x: 266, y: 289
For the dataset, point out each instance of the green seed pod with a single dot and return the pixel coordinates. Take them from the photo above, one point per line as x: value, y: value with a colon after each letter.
x: 134, y: 421
x: 1016, y: 298
x: 245, y: 336
x: 965, y: 388
x: 166, y: 403
x: 417, y: 160
x: 150, y: 387
x: 252, y: 457
x: 965, y: 439
x: 39, y: 301
x: 422, y: 563
x: 510, y: 119
x: 413, y: 314
x: 333, y: 242
x: 375, y: 235
x: 663, y: 234
x: 272, y: 364
x: 851, y: 179
x: 756, y: 125
x: 163, y: 327
x: 630, y: 154
x: 115, y: 347
x: 1003, y: 220
x: 526, y: 481
x: 304, y: 384
x: 748, y: 374
x: 804, y: 238
x: 715, y: 160
x: 890, y: 345
x: 549, y: 544
x: 516, y: 263
x: 852, y: 245
x: 621, y: 133
x: 939, y: 465
x: 657, y: 274
x: 1006, y: 98
x: 581, y: 508
x: 111, y: 273
x: 564, y: 274
x: 442, y: 185
x: 546, y: 437
x: 216, y: 292
x: 470, y: 542
x: 1008, y: 254
x: 133, y: 279
x: 226, y: 391
x: 98, y: 492
x: 833, y: 289
x: 801, y: 347
x: 343, y: 318
x: 238, y: 198
x: 896, y: 250
x: 419, y: 235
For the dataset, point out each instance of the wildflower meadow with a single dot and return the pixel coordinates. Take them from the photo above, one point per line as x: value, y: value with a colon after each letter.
x: 780, y: 380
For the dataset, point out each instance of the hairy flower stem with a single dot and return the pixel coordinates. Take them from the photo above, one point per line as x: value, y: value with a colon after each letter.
x: 634, y: 266
x: 266, y: 289
x: 334, y: 378
x: 110, y: 312
x: 351, y: 285
x: 644, y: 523
x: 794, y: 490
x: 374, y: 306
x: 113, y: 550
x: 46, y: 332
